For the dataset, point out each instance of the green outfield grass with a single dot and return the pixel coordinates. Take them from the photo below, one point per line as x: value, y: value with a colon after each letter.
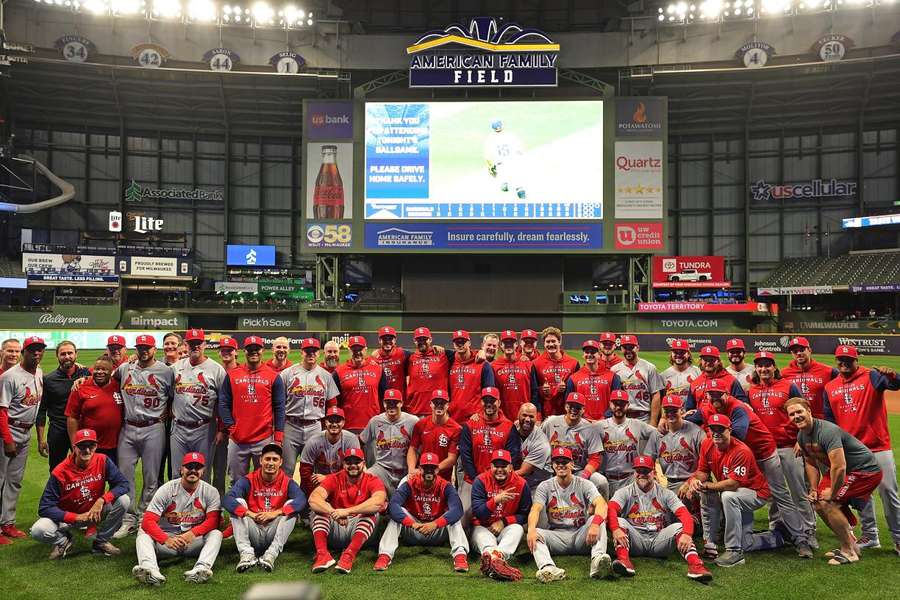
x: 427, y: 574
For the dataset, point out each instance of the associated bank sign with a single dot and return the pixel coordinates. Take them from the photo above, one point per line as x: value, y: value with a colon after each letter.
x: 488, y: 54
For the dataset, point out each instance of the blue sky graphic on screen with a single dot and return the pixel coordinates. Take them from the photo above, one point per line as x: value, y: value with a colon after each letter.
x: 251, y: 256
x: 484, y: 160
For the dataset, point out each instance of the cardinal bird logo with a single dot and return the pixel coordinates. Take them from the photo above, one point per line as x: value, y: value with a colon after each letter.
x: 197, y: 504
x: 151, y: 379
x: 575, y: 500
x: 630, y: 435
x: 178, y: 379
x: 30, y: 399
x: 684, y: 444
x: 202, y: 379
x: 403, y: 431
x: 655, y: 503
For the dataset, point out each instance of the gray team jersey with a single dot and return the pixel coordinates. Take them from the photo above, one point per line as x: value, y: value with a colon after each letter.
x: 825, y: 437
x: 566, y: 507
x: 325, y: 457
x: 649, y: 511
x: 181, y: 510
x: 640, y: 382
x: 743, y: 376
x: 622, y: 442
x: 583, y: 439
x: 389, y: 439
x: 145, y: 392
x: 307, y: 392
x: 20, y: 394
x: 536, y: 451
x: 678, y: 383
x: 196, y: 389
x: 677, y: 451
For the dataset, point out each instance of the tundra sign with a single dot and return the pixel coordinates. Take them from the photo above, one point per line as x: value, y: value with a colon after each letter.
x: 689, y: 272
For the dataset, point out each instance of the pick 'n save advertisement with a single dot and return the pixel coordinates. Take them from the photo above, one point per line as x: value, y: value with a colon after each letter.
x: 689, y: 272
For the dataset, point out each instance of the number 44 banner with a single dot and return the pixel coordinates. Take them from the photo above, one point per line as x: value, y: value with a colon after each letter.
x: 221, y: 59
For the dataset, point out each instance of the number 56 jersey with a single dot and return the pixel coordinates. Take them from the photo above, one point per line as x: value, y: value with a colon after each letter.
x: 145, y: 391
x: 196, y: 389
x: 307, y: 391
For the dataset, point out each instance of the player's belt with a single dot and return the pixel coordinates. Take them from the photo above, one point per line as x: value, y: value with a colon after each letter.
x: 618, y: 476
x: 193, y: 424
x: 143, y: 423
x: 635, y: 412
x: 20, y: 424
x: 300, y: 421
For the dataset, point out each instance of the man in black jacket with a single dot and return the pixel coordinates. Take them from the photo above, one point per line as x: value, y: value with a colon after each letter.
x: 57, y: 386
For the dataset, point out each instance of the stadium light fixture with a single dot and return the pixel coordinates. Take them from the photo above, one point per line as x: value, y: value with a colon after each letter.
x: 126, y: 7
x: 263, y: 14
x: 97, y: 7
x: 775, y: 7
x: 166, y: 9
x: 291, y: 16
x: 710, y: 9
x: 201, y: 11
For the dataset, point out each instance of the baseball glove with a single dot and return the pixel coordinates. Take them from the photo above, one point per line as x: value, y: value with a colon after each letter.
x: 502, y: 571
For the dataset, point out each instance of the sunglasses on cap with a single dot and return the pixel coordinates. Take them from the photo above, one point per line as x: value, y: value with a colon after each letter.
x: 193, y: 466
x: 717, y: 429
x: 353, y: 461
x: 671, y: 410
x: 561, y: 460
x: 643, y: 471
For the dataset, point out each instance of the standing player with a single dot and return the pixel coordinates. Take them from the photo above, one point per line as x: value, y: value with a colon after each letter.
x: 641, y: 381
x: 281, y: 347
x: 438, y: 434
x: 115, y: 347
x: 594, y: 382
x: 361, y: 382
x: 514, y: 376
x: 12, y: 352
x: 428, y: 370
x: 535, y: 466
x: 490, y: 343
x: 738, y: 369
x: 97, y: 405
x: 308, y: 389
x: 228, y: 356
x: 623, y: 440
x: 332, y: 359
x: 392, y: 359
x: 228, y: 353
x: 855, y: 403
x: 552, y: 369
x: 181, y: 520
x: 809, y: 375
x: 425, y: 511
x: 608, y: 350
x: 264, y: 506
x: 677, y: 449
x: 171, y: 342
x: 346, y: 506
x: 146, y: 386
x: 679, y: 376
x: 647, y: 519
x: 75, y: 497
x: 581, y: 438
x: 57, y: 387
x: 503, y: 154
x: 172, y: 353
x: 387, y: 439
x: 324, y: 452
x: 575, y: 512
x: 467, y: 378
x: 712, y: 369
x: 251, y: 406
x: 528, y: 348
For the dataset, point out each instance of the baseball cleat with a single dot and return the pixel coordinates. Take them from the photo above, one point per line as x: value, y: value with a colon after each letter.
x: 59, y: 551
x: 105, y: 549
x: 623, y: 567
x: 601, y: 566
x: 710, y: 550
x: 148, y: 577
x: 127, y: 528
x: 803, y: 550
x: 198, y: 574
x: 345, y: 563
x: 382, y: 563
x: 461, y: 563
x: 11, y: 531
x: 550, y: 573
x: 4, y: 541
x: 323, y: 562
x: 486, y: 564
x: 267, y: 562
x: 245, y: 563
x: 871, y: 543
x: 699, y: 572
x: 730, y: 559
x: 897, y: 548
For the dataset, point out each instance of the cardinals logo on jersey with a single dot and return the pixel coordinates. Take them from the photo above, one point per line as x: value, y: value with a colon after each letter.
x: 443, y: 440
x: 30, y: 398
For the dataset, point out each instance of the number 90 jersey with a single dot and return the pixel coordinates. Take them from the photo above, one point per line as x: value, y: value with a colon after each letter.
x: 145, y: 391
x: 196, y: 389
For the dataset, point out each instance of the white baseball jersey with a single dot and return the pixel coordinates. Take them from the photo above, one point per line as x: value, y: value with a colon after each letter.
x: 640, y: 382
x: 649, y: 511
x: 145, y: 392
x: 678, y: 383
x: 390, y: 439
x: 20, y: 394
x: 536, y: 450
x: 325, y: 457
x: 583, y: 439
x: 677, y: 451
x: 307, y: 392
x: 622, y: 442
x: 566, y: 507
x: 743, y: 376
x: 180, y: 510
x: 502, y: 147
x: 196, y: 389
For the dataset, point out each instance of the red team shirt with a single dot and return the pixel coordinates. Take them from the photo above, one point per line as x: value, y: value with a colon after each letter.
x: 736, y: 463
x: 344, y: 494
x: 467, y: 379
x: 264, y: 497
x: 811, y: 383
x: 428, y: 436
x: 271, y: 364
x: 514, y: 379
x: 502, y: 511
x: 483, y: 437
x: 726, y: 382
x: 98, y: 408
x: 394, y: 365
x: 251, y: 404
x: 856, y: 405
x: 80, y: 488
x: 595, y: 387
x: 426, y: 505
x: 427, y: 372
x: 554, y: 372
x: 359, y: 388
x: 758, y: 437
x: 768, y: 403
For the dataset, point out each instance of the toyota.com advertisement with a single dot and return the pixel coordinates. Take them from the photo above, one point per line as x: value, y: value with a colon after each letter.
x: 689, y: 272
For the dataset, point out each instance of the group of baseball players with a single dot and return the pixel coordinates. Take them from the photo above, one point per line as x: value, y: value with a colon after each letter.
x: 455, y: 447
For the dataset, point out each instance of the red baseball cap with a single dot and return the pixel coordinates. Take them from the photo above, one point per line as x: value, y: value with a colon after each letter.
x: 715, y: 387
x: 421, y: 332
x: 490, y: 392
x: 710, y: 351
x: 392, y: 396
x: 461, y: 334
x: 591, y: 344
x: 357, y: 340
x: 310, y: 343
x: 845, y: 350
x: 440, y: 394
x: 387, y: 330
x: 643, y: 462
x: 254, y: 340
x: 144, y: 340
x: 115, y: 340
x: 628, y: 340
x: 354, y: 453
x: 193, y: 457
x: 501, y: 454
x: 798, y: 341
x: 194, y: 335
x: 334, y: 411
x: 429, y: 459
x: 84, y: 435
x: 763, y: 355
x: 672, y: 401
x: 508, y: 334
x: 529, y: 334
x: 608, y: 336
x: 680, y: 345
x: 34, y: 341
x: 575, y: 398
x: 720, y: 420
x: 561, y: 452
x: 228, y: 342
x: 618, y: 396
x: 734, y: 344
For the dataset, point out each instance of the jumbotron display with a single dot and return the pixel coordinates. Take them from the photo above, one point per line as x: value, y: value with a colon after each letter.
x: 484, y: 161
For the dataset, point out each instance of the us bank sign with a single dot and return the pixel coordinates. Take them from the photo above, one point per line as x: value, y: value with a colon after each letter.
x: 489, y: 54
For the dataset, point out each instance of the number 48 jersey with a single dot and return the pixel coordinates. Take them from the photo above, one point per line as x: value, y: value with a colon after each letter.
x: 145, y: 391
x: 196, y: 389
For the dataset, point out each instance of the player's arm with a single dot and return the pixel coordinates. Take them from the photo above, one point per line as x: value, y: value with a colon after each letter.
x: 812, y: 477
x: 448, y: 462
x: 240, y: 490
x: 338, y: 400
x: 533, y: 517
x: 838, y: 470
x: 740, y: 423
x: 296, y: 500
x: 118, y: 485
x: 514, y: 445
x: 599, y: 510
x: 487, y: 376
x: 465, y: 450
x: 655, y: 409
x: 480, y: 502
x: 395, y: 506
x: 454, y: 510
x: 412, y: 459
x: 48, y: 506
x: 318, y: 502
x: 738, y: 392
x: 225, y: 403
x: 826, y: 407
x: 372, y: 505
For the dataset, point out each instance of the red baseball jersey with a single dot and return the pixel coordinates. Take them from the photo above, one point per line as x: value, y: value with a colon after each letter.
x: 271, y: 364
x: 481, y: 437
x: 251, y: 403
x: 427, y: 372
x: 513, y: 378
x: 394, y: 365
x: 501, y: 511
x: 554, y: 372
x: 594, y: 387
x: 856, y: 405
x: 758, y: 437
x: 98, y: 408
x: 426, y: 505
x: 262, y: 496
x: 343, y: 493
x: 80, y: 488
x: 359, y: 388
x: 726, y: 382
x: 768, y: 403
x: 736, y: 462
x: 466, y: 382
x: 811, y: 383
x: 440, y: 439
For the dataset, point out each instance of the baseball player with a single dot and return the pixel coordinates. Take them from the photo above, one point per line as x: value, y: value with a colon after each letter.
x: 841, y: 472
x: 679, y: 376
x: 346, y: 506
x: 712, y: 369
x: 264, y: 506
x: 854, y: 401
x: 57, y: 386
x: 467, y: 378
x: 332, y: 352
x: 171, y: 342
x: 438, y: 434
x: 425, y: 511
x: 677, y: 450
x: 11, y: 353
x: 323, y: 453
x: 528, y: 345
x: 514, y: 376
x: 647, y: 519
x: 387, y: 437
x: 490, y: 343
x: 172, y: 353
x: 594, y: 382
x: 97, y: 405
x: 623, y: 440
x: 281, y: 347
x: 739, y: 489
x: 361, y: 383
x: 501, y: 501
x: 535, y: 448
x: 228, y: 357
x: 552, y: 369
x: 228, y: 353
x: 181, y: 520
x: 146, y: 386
x: 738, y: 369
x: 503, y: 154
x: 251, y: 406
x: 21, y: 387
x: 115, y: 347
x: 76, y: 497
x: 575, y: 512
x: 810, y: 376
x: 428, y: 370
x: 194, y: 405
x: 581, y: 438
x: 392, y: 359
x: 308, y: 389
x: 640, y: 380
x: 608, y: 357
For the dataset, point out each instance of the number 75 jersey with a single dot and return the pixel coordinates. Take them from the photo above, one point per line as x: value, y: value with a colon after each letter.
x: 145, y: 391
x: 196, y: 389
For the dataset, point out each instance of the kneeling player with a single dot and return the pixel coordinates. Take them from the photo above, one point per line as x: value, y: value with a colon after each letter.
x: 425, y: 511
x: 569, y: 503
x: 264, y: 507
x: 642, y: 521
x: 501, y: 501
x: 346, y: 506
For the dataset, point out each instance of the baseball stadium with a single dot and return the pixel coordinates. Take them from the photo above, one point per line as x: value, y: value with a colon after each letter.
x: 349, y: 299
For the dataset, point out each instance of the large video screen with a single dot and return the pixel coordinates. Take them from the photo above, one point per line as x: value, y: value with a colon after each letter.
x: 484, y: 161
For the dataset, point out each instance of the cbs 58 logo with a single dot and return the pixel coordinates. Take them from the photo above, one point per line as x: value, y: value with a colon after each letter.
x: 329, y: 235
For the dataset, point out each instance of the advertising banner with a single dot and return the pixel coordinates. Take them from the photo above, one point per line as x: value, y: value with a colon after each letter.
x: 875, y: 287
x: 329, y: 180
x: 639, y: 117
x: 237, y: 287
x: 328, y: 121
x: 153, y: 267
x: 73, y: 269
x: 689, y: 272
x: 500, y: 237
x: 660, y: 307
x: 256, y: 322
x: 250, y: 256
x: 62, y: 316
x: 639, y: 236
x: 170, y: 321
x: 639, y: 180
x: 804, y: 290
